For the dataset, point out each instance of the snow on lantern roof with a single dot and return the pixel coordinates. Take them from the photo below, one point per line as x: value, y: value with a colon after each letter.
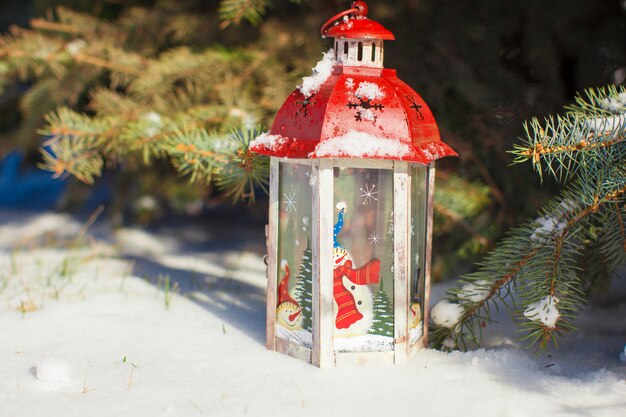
x: 353, y: 111
x: 355, y: 115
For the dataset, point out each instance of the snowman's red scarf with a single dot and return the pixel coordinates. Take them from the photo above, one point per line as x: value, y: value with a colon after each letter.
x: 347, y: 312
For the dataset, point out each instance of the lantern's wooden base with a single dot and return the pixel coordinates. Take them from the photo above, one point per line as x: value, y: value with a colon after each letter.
x: 364, y: 358
x: 351, y: 358
x: 293, y: 349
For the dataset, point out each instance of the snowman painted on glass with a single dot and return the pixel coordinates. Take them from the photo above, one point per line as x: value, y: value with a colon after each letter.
x: 288, y: 311
x: 354, y: 302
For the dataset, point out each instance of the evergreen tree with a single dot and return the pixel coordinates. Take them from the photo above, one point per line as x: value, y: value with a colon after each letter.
x: 303, y: 291
x: 578, y: 242
x: 150, y: 83
x: 382, y: 323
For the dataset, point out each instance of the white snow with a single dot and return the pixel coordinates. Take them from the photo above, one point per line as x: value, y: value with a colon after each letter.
x: 445, y: 313
x: 146, y: 202
x: 550, y: 225
x: 75, y: 47
x: 433, y: 150
x: 153, y: 117
x: 322, y: 70
x: 348, y: 23
x: 154, y: 123
x: 118, y: 351
x: 448, y: 343
x: 368, y: 90
x: 267, y: 140
x: 607, y: 124
x: 53, y: 372
x: 17, y: 230
x: 475, y: 292
x: 360, y: 144
x: 544, y: 311
x: 249, y: 120
x: 614, y: 104
x: 547, y: 226
x: 139, y: 242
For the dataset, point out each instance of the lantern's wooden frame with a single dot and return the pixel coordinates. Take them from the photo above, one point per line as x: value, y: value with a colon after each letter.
x: 322, y: 353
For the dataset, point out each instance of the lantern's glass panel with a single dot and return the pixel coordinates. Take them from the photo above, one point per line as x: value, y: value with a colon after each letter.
x: 363, y: 259
x: 419, y: 204
x: 293, y: 309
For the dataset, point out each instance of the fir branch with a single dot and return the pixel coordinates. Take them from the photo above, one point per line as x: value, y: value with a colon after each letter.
x: 44, y: 24
x: 55, y: 55
x: 245, y: 170
x: 542, y: 258
x: 621, y: 224
x: 592, y: 142
x: 72, y: 158
x: 521, y: 256
x: 111, y: 65
x: 88, y: 25
x: 562, y: 144
x: 234, y: 11
x: 68, y: 123
x: 227, y: 161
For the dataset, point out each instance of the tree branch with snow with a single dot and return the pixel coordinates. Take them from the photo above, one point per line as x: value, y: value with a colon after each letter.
x: 544, y: 270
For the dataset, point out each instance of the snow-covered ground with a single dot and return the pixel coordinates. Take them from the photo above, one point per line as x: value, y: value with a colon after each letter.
x: 179, y: 331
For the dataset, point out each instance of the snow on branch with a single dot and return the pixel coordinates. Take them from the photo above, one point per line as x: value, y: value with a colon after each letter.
x: 584, y: 226
x: 544, y: 311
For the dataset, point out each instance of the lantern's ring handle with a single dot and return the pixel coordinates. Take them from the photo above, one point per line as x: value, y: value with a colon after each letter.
x: 358, y: 7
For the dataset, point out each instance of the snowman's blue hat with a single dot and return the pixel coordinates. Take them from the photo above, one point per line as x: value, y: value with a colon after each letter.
x: 341, y: 207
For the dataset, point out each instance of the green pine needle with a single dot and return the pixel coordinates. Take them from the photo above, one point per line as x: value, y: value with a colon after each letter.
x: 577, y: 241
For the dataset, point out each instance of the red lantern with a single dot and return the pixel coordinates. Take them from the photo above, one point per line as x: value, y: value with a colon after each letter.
x: 351, y: 187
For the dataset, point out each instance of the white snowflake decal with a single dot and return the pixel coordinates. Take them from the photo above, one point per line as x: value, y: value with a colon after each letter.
x: 305, y: 223
x: 374, y: 238
x: 296, y: 243
x: 417, y: 259
x: 369, y: 194
x: 290, y: 201
x: 412, y: 230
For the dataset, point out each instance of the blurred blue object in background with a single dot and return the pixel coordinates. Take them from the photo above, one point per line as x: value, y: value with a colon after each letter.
x: 100, y: 194
x: 30, y: 188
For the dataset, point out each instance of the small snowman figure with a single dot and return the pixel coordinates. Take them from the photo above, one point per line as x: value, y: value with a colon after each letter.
x: 288, y: 312
x: 354, y: 301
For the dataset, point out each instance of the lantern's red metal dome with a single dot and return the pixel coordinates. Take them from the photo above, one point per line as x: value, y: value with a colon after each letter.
x: 356, y: 112
x: 359, y: 27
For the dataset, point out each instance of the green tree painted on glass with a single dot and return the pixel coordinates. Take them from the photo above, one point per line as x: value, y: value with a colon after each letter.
x: 382, y: 323
x: 304, y: 289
